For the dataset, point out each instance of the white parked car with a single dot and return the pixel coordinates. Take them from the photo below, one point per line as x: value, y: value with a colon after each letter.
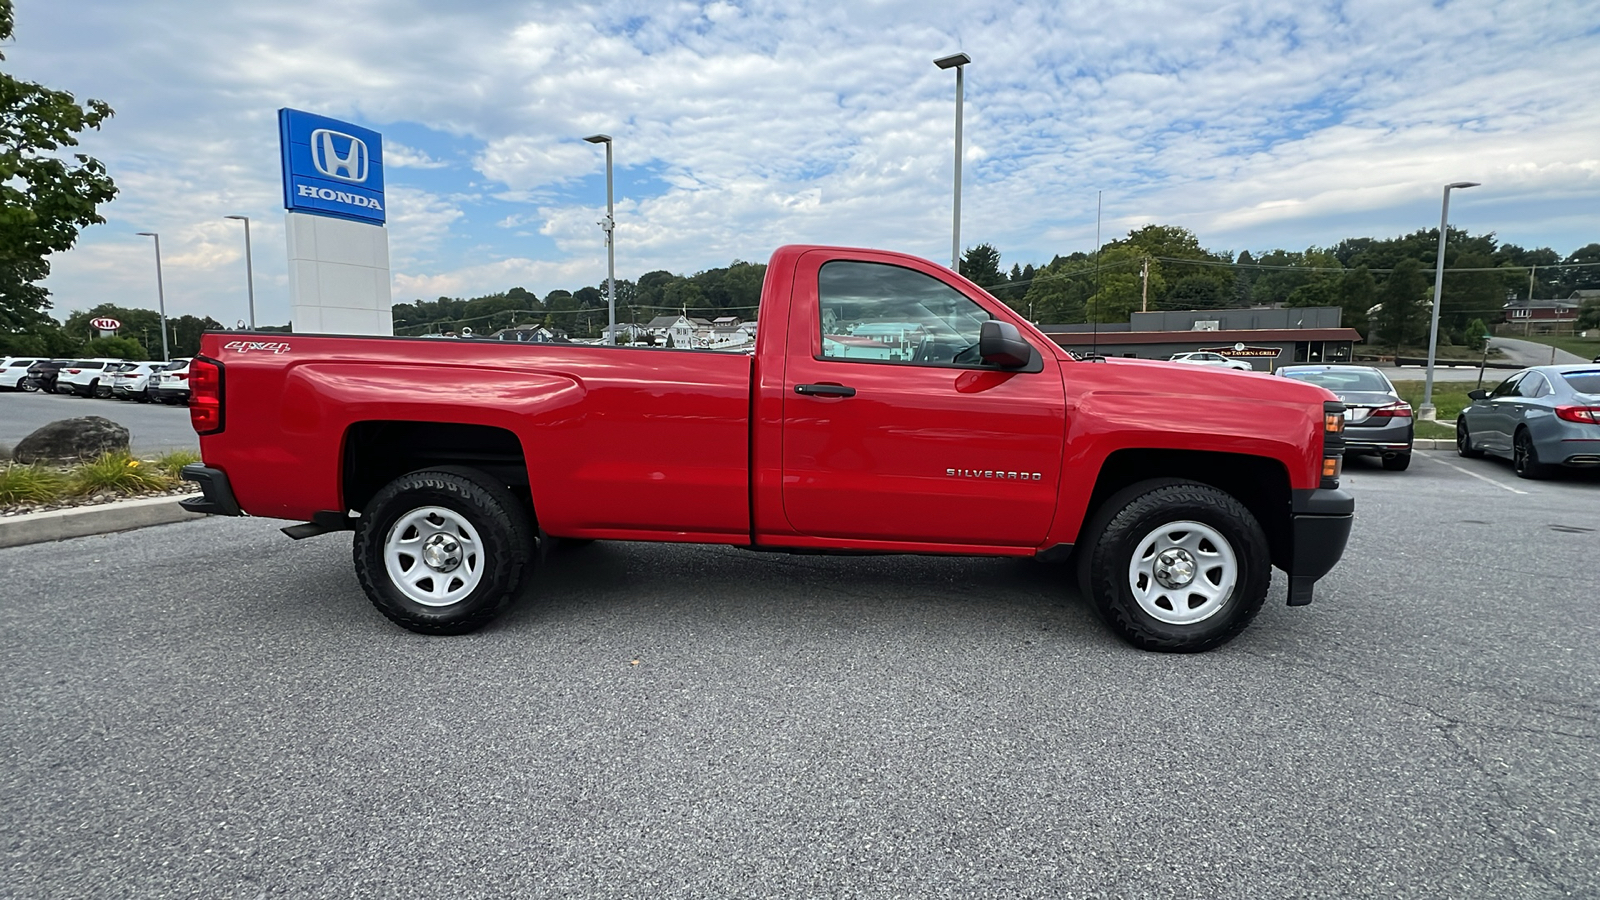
x: 86, y: 377
x: 1203, y: 358
x: 171, y: 384
x: 131, y: 381
x: 14, y: 373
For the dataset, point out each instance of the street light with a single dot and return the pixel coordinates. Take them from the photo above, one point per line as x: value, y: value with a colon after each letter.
x: 957, y: 62
x: 609, y: 226
x: 249, y: 270
x: 161, y: 295
x: 1426, y: 412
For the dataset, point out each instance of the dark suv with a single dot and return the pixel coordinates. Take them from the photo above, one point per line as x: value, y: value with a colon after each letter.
x: 42, y: 374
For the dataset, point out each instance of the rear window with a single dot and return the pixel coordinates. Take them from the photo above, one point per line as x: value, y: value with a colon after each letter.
x: 1584, y: 382
x: 1343, y: 379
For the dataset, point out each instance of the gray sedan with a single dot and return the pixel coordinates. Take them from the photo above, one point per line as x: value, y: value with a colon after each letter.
x: 1377, y: 422
x: 1539, y: 418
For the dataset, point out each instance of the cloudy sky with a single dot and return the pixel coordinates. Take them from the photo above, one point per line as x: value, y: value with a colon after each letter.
x: 740, y: 126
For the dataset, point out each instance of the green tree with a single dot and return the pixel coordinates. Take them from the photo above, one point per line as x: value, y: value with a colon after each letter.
x: 186, y: 331
x: 1403, y: 319
x: 1358, y: 293
x: 981, y: 266
x: 1589, y: 314
x: 44, y: 200
x: 1196, y: 292
x: 1473, y: 335
x: 116, y: 348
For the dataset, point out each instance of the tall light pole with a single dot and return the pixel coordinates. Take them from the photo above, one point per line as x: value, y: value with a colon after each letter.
x: 249, y: 270
x: 161, y: 295
x: 1426, y: 412
x: 609, y: 226
x: 957, y: 62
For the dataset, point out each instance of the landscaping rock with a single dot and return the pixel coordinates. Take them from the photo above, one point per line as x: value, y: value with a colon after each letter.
x: 71, y: 440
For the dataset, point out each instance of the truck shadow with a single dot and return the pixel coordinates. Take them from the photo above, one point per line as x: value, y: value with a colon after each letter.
x: 675, y: 582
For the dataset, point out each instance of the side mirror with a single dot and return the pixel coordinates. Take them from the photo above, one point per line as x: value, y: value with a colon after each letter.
x: 1001, y: 344
x: 1479, y: 394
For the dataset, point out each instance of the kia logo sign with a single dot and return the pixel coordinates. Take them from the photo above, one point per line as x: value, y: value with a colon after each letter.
x: 105, y: 324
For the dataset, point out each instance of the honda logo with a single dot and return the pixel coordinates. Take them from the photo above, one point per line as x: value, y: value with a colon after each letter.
x: 350, y: 166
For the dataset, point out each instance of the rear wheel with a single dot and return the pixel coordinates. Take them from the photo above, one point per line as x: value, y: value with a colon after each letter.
x: 442, y: 551
x: 1525, y: 457
x: 1178, y: 567
x: 1464, y: 441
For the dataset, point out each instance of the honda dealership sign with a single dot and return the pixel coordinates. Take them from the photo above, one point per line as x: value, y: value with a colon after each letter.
x: 331, y: 168
x: 338, y: 245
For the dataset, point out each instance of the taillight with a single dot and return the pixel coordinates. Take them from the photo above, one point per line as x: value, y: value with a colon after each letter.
x: 73, y: 371
x: 1400, y: 410
x: 205, y: 396
x: 1333, y: 443
x: 180, y: 376
x: 1588, y: 415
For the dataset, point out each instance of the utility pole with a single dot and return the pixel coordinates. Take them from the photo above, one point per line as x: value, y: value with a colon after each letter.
x: 1144, y: 302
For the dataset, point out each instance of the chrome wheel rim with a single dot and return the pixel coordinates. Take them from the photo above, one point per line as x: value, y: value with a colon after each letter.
x: 433, y: 556
x: 1182, y: 572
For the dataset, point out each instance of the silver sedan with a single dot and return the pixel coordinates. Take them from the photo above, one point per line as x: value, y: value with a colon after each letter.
x: 1377, y: 422
x: 1539, y: 418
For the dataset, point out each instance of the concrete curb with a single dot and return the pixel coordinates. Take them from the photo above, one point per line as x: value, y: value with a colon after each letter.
x: 60, y: 524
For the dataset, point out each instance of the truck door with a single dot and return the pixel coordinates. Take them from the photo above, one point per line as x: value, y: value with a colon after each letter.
x: 894, y: 429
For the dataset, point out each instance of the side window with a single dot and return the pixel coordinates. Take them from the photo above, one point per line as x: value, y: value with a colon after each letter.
x: 1507, y: 387
x: 1533, y: 385
x: 884, y: 313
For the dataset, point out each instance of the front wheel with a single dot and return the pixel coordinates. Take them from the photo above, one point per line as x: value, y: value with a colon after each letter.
x: 442, y: 551
x: 1464, y: 446
x: 26, y: 386
x: 1178, y: 567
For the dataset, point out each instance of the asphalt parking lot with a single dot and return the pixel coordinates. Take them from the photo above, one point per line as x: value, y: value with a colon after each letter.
x: 210, y: 709
x: 152, y: 427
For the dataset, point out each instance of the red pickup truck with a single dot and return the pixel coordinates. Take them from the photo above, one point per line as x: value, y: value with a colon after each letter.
x: 890, y: 406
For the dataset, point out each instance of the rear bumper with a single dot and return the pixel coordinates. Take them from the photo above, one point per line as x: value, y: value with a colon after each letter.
x: 216, y: 494
x: 1321, y: 520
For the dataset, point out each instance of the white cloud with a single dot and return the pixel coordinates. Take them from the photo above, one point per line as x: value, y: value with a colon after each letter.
x: 741, y: 126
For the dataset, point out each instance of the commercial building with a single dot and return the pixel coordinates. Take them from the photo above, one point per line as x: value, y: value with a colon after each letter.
x: 1264, y: 337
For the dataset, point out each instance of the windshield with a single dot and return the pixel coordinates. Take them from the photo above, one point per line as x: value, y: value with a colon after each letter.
x: 1349, y: 380
x: 1587, y: 382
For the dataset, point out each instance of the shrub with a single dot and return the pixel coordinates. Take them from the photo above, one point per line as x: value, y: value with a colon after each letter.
x: 171, y: 464
x: 117, y: 472
x: 30, y: 484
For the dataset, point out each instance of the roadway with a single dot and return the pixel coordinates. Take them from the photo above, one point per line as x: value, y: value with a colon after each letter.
x: 153, y: 428
x: 211, y: 709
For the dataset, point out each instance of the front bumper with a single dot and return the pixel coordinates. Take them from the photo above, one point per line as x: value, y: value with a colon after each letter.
x: 1321, y: 519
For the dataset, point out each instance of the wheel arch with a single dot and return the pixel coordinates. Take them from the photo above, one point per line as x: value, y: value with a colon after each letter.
x: 1260, y: 483
x: 375, y: 452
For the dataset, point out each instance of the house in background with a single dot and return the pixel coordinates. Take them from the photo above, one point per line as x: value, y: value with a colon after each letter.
x: 1544, y: 316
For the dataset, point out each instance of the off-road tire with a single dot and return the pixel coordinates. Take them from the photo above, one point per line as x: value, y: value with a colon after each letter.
x: 1398, y: 462
x: 1133, y: 514
x: 507, y: 538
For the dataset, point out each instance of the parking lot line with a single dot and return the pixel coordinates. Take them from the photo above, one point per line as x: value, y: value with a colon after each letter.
x: 1504, y: 487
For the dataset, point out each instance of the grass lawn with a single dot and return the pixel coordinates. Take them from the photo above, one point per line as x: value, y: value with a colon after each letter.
x: 1449, y: 397
x: 1588, y: 348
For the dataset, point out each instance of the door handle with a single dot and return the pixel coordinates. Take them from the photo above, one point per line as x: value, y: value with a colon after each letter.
x: 824, y: 390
